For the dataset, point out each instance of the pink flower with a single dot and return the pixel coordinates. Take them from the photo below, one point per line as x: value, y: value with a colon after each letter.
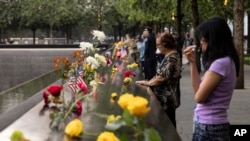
x: 83, y: 87
x: 128, y: 73
x: 78, y: 108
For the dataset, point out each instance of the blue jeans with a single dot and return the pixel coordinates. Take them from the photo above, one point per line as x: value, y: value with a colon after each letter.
x: 211, y: 132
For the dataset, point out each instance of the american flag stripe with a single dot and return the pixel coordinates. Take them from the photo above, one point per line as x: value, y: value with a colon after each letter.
x: 72, y: 85
x: 79, y: 80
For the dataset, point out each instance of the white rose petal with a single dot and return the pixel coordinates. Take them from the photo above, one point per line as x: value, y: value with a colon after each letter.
x: 99, y: 35
x: 87, y: 46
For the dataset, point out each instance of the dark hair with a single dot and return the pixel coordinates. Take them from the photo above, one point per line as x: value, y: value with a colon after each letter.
x: 149, y: 29
x: 217, y: 34
x: 167, y: 40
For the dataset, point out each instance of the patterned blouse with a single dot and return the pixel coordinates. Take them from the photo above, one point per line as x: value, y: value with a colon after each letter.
x: 170, y: 69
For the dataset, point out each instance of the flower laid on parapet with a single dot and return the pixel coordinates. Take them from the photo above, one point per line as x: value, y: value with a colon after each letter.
x: 88, y: 49
x: 113, y: 98
x: 108, y: 57
x: 118, y: 52
x: 128, y: 79
x: 113, y: 118
x: 114, y: 70
x: 78, y: 108
x: 53, y: 94
x: 107, y: 136
x: 99, y: 35
x: 17, y: 136
x: 132, y: 66
x: 62, y: 66
x: 135, y: 108
x: 89, y: 73
x: 74, y: 128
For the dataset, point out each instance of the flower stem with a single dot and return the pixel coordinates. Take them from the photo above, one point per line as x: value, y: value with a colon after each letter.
x: 90, y: 134
x: 72, y: 106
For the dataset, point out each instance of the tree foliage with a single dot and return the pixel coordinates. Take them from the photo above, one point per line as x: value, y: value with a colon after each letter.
x: 146, y: 10
x: 112, y: 16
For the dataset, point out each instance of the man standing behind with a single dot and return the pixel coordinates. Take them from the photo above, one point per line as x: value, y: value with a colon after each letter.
x: 187, y: 42
x: 149, y: 54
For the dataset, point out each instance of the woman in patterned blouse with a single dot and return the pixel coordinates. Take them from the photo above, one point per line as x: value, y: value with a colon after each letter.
x: 164, y: 84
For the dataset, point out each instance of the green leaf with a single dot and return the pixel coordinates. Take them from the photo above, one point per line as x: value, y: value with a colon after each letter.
x: 128, y: 118
x: 151, y: 135
x: 124, y: 137
x: 115, y: 125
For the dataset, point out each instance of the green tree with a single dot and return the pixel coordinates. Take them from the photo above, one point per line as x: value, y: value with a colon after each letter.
x: 10, y: 15
x: 145, y: 11
x: 2, y: 19
x: 71, y: 13
x: 114, y: 21
x: 51, y: 11
x: 32, y: 15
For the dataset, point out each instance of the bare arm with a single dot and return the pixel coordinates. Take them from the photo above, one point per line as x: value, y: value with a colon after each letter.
x: 209, y: 83
x: 195, y: 76
x: 155, y: 81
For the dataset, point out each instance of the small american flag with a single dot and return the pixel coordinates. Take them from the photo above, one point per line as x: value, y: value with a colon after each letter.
x: 74, y: 81
x: 79, y: 78
x: 72, y: 85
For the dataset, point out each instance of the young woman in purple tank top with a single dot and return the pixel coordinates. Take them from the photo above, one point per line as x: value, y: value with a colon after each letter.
x: 213, y: 92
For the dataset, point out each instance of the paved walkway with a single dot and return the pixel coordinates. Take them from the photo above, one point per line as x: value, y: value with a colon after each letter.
x: 239, y: 111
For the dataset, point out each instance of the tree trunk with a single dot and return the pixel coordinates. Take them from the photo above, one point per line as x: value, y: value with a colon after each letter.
x: 51, y: 34
x: 70, y: 34
x: 179, y: 18
x: 1, y: 37
x: 196, y: 22
x: 238, y: 38
x: 114, y: 32
x: 67, y: 33
x: 120, y: 26
x: 34, y: 35
x: 248, y: 33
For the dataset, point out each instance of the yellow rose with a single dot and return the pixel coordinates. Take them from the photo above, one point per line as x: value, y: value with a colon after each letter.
x: 107, y: 136
x: 112, y: 118
x: 127, y: 80
x: 88, y: 68
x: 114, y: 69
x: 138, y: 106
x: 134, y: 65
x: 74, y: 128
x: 129, y: 66
x: 113, y: 97
x: 124, y: 100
